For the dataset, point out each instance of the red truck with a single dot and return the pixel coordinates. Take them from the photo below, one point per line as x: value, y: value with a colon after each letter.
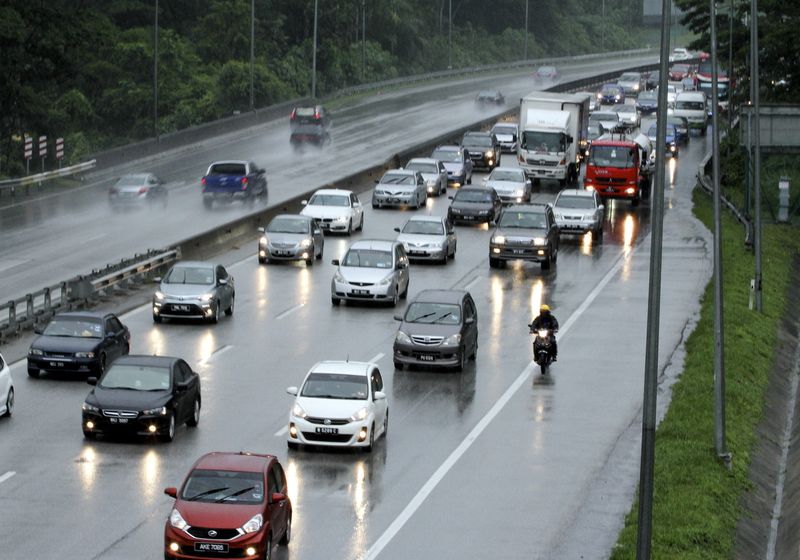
x: 614, y: 170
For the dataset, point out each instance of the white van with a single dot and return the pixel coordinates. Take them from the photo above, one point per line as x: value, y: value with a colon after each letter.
x: 692, y: 106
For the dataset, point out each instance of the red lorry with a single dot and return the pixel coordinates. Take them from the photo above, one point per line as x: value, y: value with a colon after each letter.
x: 614, y: 169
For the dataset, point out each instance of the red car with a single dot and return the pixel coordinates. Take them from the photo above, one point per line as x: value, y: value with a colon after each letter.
x: 222, y: 510
x: 678, y: 72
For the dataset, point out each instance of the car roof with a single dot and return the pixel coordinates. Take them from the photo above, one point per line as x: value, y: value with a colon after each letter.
x: 376, y: 244
x: 402, y: 171
x: 145, y: 360
x: 229, y: 161
x: 449, y: 148
x: 509, y: 168
x: 532, y: 207
x: 440, y: 296
x: 293, y: 216
x: 576, y: 192
x: 334, y: 191
x: 82, y: 315
x: 512, y: 124
x: 476, y: 133
x: 342, y: 367
x: 231, y: 461
x: 422, y: 160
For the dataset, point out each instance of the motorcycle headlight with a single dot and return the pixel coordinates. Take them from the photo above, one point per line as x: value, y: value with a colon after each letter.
x: 206, y: 297
x: 337, y: 277
x: 402, y: 338
x: 305, y: 243
x: 160, y: 411
x: 160, y: 295
x: 177, y: 520
x: 542, y: 333
x: 298, y: 411
x: 499, y: 239
x: 359, y: 414
x: 452, y: 340
x: 539, y: 241
x: 90, y: 407
x: 35, y: 352
x: 84, y: 355
x: 254, y: 524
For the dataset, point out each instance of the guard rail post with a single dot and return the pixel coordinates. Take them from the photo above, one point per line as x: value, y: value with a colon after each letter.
x: 47, y: 300
x: 28, y: 308
x: 12, y: 316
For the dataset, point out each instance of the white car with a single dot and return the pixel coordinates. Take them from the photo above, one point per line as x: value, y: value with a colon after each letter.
x: 672, y: 93
x: 510, y: 184
x: 371, y: 270
x: 506, y: 133
x: 400, y: 187
x: 340, y: 404
x: 6, y: 389
x: 433, y: 172
x: 680, y: 53
x: 336, y: 210
x: 428, y: 238
x: 629, y: 116
x: 579, y: 211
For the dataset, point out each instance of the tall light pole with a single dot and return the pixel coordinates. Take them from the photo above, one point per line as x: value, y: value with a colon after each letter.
x: 314, y: 56
x: 450, y: 36
x: 757, y: 141
x: 364, y: 40
x: 252, y: 50
x: 525, y: 57
x: 603, y: 28
x: 155, y: 76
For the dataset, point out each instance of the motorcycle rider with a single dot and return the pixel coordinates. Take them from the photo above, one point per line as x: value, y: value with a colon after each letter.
x: 546, y: 320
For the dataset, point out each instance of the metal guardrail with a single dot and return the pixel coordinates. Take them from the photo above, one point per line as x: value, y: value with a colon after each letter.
x: 39, y: 306
x: 12, y: 184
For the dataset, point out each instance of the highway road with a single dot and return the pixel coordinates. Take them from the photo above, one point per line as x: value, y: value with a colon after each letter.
x: 52, y: 239
x: 496, y: 461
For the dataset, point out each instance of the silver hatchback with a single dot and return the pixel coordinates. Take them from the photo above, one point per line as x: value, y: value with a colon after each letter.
x: 291, y: 237
x: 371, y: 270
x: 400, y: 187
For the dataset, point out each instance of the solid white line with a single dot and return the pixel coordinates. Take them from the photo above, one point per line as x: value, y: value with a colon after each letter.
x: 6, y: 476
x: 467, y: 442
x: 215, y: 353
x: 289, y: 311
x: 282, y: 431
x: 376, y: 358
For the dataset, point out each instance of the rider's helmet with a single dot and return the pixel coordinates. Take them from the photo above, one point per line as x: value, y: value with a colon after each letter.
x: 544, y: 308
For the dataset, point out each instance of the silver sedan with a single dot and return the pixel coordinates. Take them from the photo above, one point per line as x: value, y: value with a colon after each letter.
x: 629, y: 116
x: 400, y: 187
x: 428, y: 238
x: 433, y: 172
x: 194, y: 290
x: 510, y: 184
x: 291, y: 237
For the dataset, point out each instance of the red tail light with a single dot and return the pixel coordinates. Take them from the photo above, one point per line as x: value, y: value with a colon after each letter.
x: 316, y: 115
x: 294, y: 114
x: 244, y: 183
x: 142, y: 190
x: 203, y: 181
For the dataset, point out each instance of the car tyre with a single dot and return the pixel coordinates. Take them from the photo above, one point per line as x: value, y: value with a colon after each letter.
x: 292, y: 445
x: 321, y: 249
x: 385, y: 424
x: 462, y: 360
x: 215, y: 317
x: 34, y: 373
x: 335, y: 301
x: 195, y: 419
x: 287, y: 533
x: 404, y: 295
x: 396, y: 296
x: 89, y: 435
x: 170, y: 435
x: 229, y: 311
x: 371, y: 443
x: 546, y: 263
x: 101, y: 364
x: 268, y: 549
x: 350, y: 227
x: 398, y: 365
x: 262, y: 260
x: 9, y: 402
x: 494, y: 263
x: 361, y: 223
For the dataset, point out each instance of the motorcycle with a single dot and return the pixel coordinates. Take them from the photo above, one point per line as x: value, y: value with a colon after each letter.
x: 543, y: 348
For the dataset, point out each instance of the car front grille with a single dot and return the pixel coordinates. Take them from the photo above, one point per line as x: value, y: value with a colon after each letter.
x: 610, y: 180
x: 328, y: 421
x: 120, y: 413
x: 361, y: 283
x: 427, y: 340
x: 221, y: 534
x: 542, y: 162
x: 284, y: 245
x: 59, y: 355
x: 329, y: 438
x: 519, y: 241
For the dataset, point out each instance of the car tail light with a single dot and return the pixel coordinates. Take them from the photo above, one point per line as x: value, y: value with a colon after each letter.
x: 203, y: 181
x: 294, y: 114
x: 142, y: 190
x: 316, y: 115
x: 244, y: 183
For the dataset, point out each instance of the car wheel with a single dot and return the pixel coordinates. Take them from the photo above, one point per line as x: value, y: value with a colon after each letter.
x: 268, y: 549
x: 229, y: 311
x: 287, y: 533
x: 385, y: 424
x: 371, y: 443
x: 262, y: 260
x: 462, y: 360
x: 350, y: 226
x: 469, y: 179
x: 635, y: 201
x: 335, y: 301
x: 310, y: 260
x: 9, y: 402
x: 101, y: 364
x: 494, y: 263
x: 398, y: 366
x: 361, y: 224
x: 396, y: 296
x: 89, y: 435
x: 33, y: 372
x: 598, y: 235
x: 215, y: 317
x: 157, y: 318
x: 546, y: 263
x: 292, y: 445
x: 195, y: 419
x: 321, y: 249
x: 555, y: 255
x: 170, y: 435
x: 444, y: 256
x: 443, y: 188
x: 404, y: 295
x: 375, y: 206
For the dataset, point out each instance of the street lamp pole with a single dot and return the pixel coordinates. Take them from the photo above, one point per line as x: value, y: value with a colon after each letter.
x: 314, y: 56
x: 252, y: 50
x: 754, y: 79
x: 525, y: 57
x: 155, y: 76
x: 450, y: 36
x: 364, y: 40
x: 603, y: 28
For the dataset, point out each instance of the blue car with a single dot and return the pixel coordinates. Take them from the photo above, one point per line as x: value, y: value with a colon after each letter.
x: 671, y: 138
x: 647, y: 102
x: 611, y: 94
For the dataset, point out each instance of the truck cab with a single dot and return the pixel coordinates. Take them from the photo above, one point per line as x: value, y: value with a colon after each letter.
x: 614, y: 169
x: 544, y: 144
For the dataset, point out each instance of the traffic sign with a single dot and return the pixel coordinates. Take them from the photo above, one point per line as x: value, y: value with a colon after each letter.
x: 42, y: 146
x: 59, y: 148
x: 28, y: 147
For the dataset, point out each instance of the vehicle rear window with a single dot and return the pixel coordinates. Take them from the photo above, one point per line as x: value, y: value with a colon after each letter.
x: 68, y: 327
x: 305, y: 111
x: 438, y: 313
x: 228, y: 169
x: 335, y: 386
x: 690, y: 105
x: 423, y: 167
x: 228, y: 487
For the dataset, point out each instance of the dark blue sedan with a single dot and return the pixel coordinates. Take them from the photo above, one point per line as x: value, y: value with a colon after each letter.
x: 671, y: 138
x: 611, y: 94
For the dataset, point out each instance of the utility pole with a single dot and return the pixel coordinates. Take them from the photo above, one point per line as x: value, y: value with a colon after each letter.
x: 314, y: 56
x: 757, y: 140
x: 252, y: 50
x: 525, y: 55
x: 730, y: 66
x: 647, y: 466
x: 719, y: 346
x: 155, y: 77
x: 364, y: 40
x: 603, y: 28
x: 450, y: 36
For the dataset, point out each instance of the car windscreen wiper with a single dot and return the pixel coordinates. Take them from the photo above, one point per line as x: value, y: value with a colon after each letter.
x: 237, y: 493
x: 207, y: 492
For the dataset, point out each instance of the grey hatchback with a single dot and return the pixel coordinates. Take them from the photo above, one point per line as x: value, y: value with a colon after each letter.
x: 439, y: 329
x: 291, y: 237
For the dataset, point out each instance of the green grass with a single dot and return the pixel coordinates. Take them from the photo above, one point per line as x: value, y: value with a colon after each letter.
x: 696, y: 500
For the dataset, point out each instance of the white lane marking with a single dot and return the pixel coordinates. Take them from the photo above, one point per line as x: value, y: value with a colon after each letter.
x: 221, y: 350
x: 6, y: 476
x: 467, y: 442
x: 5, y: 264
x: 377, y: 357
x: 471, y: 282
x: 93, y: 238
x: 289, y: 311
x: 282, y: 431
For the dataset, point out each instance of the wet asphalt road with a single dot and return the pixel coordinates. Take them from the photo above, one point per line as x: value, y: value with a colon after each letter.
x: 53, y: 239
x: 494, y: 462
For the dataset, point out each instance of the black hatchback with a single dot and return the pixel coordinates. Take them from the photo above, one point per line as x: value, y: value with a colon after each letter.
x: 483, y: 148
x: 143, y: 395
x: 78, y: 342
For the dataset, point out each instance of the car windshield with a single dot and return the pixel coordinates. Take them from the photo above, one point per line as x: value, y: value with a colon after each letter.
x: 190, y: 275
x: 514, y: 175
x: 423, y: 167
x: 629, y: 77
x: 477, y: 140
x: 228, y: 169
x: 329, y: 200
x: 368, y: 258
x: 83, y: 327
x: 132, y: 180
x: 610, y: 88
x: 504, y: 129
x: 398, y: 179
x: 335, y: 386
x: 626, y: 109
x: 438, y: 313
x: 620, y: 157
x: 647, y: 95
x: 538, y: 141
x: 230, y: 487
x: 288, y: 225
x: 424, y: 227
x: 690, y: 105
x: 473, y: 195
x: 490, y: 94
x: 528, y: 220
x: 603, y: 117
x: 447, y: 155
x: 546, y: 69
x: 138, y: 378
x: 584, y: 202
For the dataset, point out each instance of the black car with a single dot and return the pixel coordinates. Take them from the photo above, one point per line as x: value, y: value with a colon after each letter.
x: 490, y: 97
x: 314, y: 114
x: 647, y: 102
x: 78, y: 342
x: 474, y: 205
x: 651, y: 81
x: 309, y: 135
x: 483, y: 148
x: 142, y: 395
x: 439, y: 329
x: 527, y: 232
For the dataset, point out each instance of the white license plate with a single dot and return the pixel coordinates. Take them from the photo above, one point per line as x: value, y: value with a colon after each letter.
x: 56, y: 364
x: 427, y: 357
x: 327, y: 430
x: 182, y: 307
x: 518, y: 251
x: 118, y: 420
x: 210, y: 547
x: 361, y: 292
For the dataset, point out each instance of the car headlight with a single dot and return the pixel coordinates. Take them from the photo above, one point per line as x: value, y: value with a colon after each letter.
x: 160, y: 411
x: 635, y: 87
x: 359, y: 414
x: 342, y: 219
x: 305, y: 243
x: 402, y: 338
x: 452, y: 340
x: 458, y: 171
x: 263, y: 242
x: 298, y: 411
x: 160, y: 296
x: 455, y: 210
x: 337, y: 277
x: 539, y: 241
x: 90, y: 407
x: 206, y: 297
x: 254, y: 524
x: 558, y: 216
x: 489, y: 153
x: 35, y: 352
x: 599, y: 96
x: 430, y: 183
x: 386, y: 281
x: 84, y: 354
x: 177, y: 520
x: 435, y: 244
x: 499, y: 239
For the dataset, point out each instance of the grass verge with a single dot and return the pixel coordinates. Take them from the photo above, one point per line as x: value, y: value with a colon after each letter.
x: 696, y: 500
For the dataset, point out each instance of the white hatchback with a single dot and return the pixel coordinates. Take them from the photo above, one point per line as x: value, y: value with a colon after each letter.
x: 340, y: 404
x: 6, y: 389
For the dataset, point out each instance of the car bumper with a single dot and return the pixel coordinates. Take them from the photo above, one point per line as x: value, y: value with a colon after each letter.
x: 646, y: 110
x: 558, y: 172
x: 67, y: 364
x: 519, y: 252
x: 426, y: 253
x: 388, y: 200
x: 352, y: 434
x: 429, y: 356
x: 484, y: 162
x: 350, y: 292
x: 699, y: 124
x: 614, y: 191
x: 457, y: 180
x: 171, y: 309
x: 284, y: 253
x: 575, y: 226
x: 97, y: 423
x: 509, y: 198
x: 236, y: 548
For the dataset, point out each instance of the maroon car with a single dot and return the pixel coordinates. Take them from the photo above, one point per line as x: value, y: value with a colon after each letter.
x: 678, y: 72
x: 231, y: 505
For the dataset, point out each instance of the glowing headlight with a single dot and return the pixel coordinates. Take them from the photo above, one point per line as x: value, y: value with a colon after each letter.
x: 599, y: 96
x: 359, y: 414
x: 298, y: 411
x: 155, y: 411
x: 305, y: 243
x: 402, y: 338
x: 635, y: 87
x: 499, y: 239
x: 452, y: 340
x: 84, y: 354
x: 337, y: 277
x: 90, y: 407
x: 254, y: 524
x: 177, y: 520
x: 35, y: 352
x: 160, y: 296
x: 542, y: 333
x: 490, y: 153
x: 559, y: 216
x: 206, y: 297
x: 263, y: 242
x: 430, y: 182
x: 539, y: 241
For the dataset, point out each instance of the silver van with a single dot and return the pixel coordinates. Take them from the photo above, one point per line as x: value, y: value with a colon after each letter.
x: 692, y: 106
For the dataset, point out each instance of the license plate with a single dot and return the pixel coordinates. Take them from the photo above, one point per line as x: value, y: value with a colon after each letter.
x: 427, y: 357
x: 118, y: 420
x: 210, y: 547
x: 468, y: 217
x: 361, y: 292
x: 283, y: 253
x: 56, y: 364
x: 418, y: 253
x: 182, y: 307
x: 327, y: 430
x: 518, y: 251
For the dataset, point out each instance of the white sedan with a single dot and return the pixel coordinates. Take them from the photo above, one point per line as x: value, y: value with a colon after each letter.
x: 340, y: 404
x: 335, y: 210
x: 6, y: 389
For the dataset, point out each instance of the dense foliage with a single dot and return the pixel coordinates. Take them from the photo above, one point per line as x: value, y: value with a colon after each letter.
x: 83, y: 69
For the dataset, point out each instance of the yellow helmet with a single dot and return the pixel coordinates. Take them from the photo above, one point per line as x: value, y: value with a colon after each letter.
x: 544, y: 308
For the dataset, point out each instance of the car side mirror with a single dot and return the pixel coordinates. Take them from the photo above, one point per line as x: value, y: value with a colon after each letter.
x: 303, y: 202
x: 377, y: 181
x: 171, y: 491
x: 379, y: 396
x: 276, y: 497
x: 357, y: 204
x: 335, y: 262
x: 91, y: 380
x: 181, y: 386
x: 38, y: 330
x: 469, y: 320
x: 222, y: 281
x: 317, y: 232
x: 486, y: 179
x: 398, y: 317
x: 157, y: 279
x: 397, y: 229
x: 261, y: 230
x: 292, y: 390
x: 601, y: 207
x: 450, y: 197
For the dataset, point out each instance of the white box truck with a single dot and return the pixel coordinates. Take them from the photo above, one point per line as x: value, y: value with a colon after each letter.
x: 553, y: 134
